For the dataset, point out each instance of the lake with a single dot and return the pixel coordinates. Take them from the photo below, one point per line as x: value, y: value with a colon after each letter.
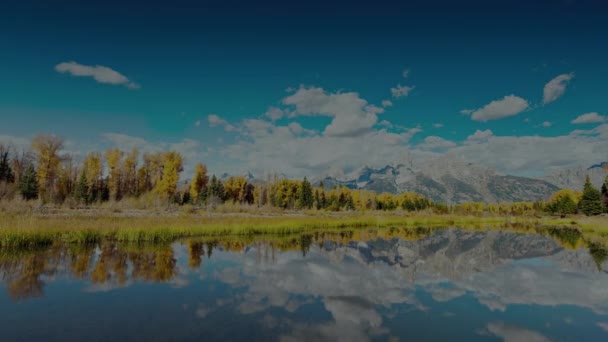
x: 360, y: 285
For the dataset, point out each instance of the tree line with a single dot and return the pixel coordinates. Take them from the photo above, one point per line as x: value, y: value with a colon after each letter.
x: 47, y: 174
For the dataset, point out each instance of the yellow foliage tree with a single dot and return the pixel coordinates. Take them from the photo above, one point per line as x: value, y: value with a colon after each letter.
x: 234, y: 188
x: 93, y: 168
x: 199, y: 182
x: 172, y: 165
x: 47, y: 149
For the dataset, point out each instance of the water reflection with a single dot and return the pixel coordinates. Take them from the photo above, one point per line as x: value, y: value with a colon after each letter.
x: 351, y: 285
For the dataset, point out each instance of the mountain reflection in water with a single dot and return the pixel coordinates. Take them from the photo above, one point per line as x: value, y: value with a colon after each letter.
x: 431, y: 284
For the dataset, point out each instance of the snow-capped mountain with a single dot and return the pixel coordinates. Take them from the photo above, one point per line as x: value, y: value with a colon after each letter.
x: 574, y: 178
x: 447, y: 180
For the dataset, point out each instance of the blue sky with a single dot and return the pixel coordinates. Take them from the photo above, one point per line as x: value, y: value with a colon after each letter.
x: 200, y: 76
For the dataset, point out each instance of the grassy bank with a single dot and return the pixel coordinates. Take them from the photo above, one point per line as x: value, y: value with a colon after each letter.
x: 73, y: 226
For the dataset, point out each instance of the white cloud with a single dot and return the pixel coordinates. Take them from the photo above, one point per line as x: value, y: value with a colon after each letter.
x: 406, y: 73
x: 435, y: 143
x: 17, y: 144
x: 511, y: 333
x: 197, y: 123
x: 385, y: 123
x: 437, y: 125
x: 99, y: 73
x: 401, y: 91
x: 555, y: 88
x: 297, y: 129
x: 387, y: 103
x: 215, y: 121
x: 352, y: 116
x: 274, y: 113
x: 480, y: 136
x: 298, y: 152
x: 466, y: 111
x: 533, y: 155
x: 507, y: 106
x: 547, y: 124
x: 603, y: 325
x: 589, y: 118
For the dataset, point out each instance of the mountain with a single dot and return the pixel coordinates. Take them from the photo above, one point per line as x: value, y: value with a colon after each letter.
x: 446, y: 180
x: 574, y: 178
x: 456, y: 254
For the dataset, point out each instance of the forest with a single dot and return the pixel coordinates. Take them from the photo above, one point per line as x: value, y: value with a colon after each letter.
x: 45, y: 174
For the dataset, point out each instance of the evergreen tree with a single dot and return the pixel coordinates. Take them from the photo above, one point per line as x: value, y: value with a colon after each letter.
x: 6, y: 172
x: 82, y: 189
x: 305, y: 194
x: 605, y: 194
x: 216, y: 189
x: 28, y: 185
x: 186, y: 198
x: 591, y: 202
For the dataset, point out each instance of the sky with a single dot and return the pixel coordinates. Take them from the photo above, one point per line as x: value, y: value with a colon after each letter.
x: 306, y: 88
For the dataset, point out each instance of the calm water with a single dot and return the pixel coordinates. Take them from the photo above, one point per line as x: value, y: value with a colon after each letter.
x: 446, y: 284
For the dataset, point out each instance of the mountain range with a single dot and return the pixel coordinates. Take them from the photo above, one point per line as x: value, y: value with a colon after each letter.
x: 446, y: 180
x: 451, y: 180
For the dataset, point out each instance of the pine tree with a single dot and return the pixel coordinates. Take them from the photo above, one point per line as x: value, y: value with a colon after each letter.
x: 216, y: 189
x: 591, y: 202
x: 605, y: 194
x: 28, y: 185
x: 82, y: 189
x: 6, y: 172
x: 305, y: 196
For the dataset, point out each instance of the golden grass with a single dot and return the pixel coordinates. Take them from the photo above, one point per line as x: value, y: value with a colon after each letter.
x: 31, y: 228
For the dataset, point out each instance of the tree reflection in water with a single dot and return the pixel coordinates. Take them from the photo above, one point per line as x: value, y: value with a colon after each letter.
x: 25, y: 271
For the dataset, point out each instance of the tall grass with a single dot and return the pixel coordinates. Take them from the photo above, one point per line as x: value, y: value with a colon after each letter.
x: 28, y: 229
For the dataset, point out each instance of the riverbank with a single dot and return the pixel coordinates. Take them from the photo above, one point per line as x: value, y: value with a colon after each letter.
x: 39, y: 227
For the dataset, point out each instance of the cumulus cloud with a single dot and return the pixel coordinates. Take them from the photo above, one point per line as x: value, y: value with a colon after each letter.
x: 385, y: 123
x: 299, y: 152
x: 466, y: 111
x: 401, y: 91
x: 387, y: 103
x: 555, y: 88
x: 406, y: 73
x: 215, y: 121
x: 547, y: 124
x: 603, y: 325
x: 14, y: 142
x: 512, y: 333
x: 351, y: 115
x: 274, y: 113
x: 480, y: 136
x: 435, y: 143
x: 588, y: 118
x: 507, y: 106
x: 99, y: 73
x: 534, y: 155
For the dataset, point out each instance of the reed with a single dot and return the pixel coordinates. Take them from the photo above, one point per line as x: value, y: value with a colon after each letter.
x: 25, y: 230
